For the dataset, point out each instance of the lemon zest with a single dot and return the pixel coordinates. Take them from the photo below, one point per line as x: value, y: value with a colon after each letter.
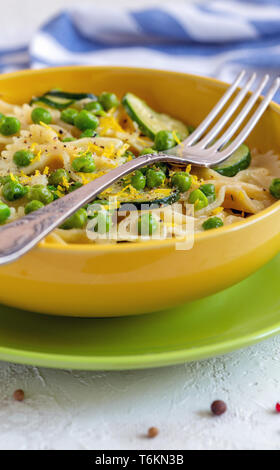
x: 194, y: 179
x: 37, y: 157
x: 33, y: 146
x: 109, y: 123
x: 176, y: 138
x: 217, y: 210
x: 48, y: 127
x: 122, y: 150
x: 60, y: 188
x: 65, y: 183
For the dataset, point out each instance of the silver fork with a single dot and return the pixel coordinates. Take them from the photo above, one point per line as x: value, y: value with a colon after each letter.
x: 20, y: 236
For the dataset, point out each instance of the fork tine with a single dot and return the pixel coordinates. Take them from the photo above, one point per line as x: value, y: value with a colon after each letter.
x: 241, y: 116
x: 252, y: 122
x: 213, y: 113
x: 227, y: 115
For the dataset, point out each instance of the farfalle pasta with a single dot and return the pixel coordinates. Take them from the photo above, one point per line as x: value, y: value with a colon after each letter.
x: 61, y: 141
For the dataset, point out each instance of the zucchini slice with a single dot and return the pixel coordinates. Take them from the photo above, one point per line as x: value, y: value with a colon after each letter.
x: 60, y: 99
x: 239, y: 160
x: 159, y: 197
x: 149, y: 121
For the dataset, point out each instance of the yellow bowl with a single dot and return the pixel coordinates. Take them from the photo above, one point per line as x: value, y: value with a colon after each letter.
x: 129, y: 279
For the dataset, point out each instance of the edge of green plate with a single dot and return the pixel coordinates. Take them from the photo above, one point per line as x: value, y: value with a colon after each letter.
x: 135, y: 361
x: 264, y: 307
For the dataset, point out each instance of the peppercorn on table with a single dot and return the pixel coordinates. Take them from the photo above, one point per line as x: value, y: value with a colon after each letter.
x: 114, y: 410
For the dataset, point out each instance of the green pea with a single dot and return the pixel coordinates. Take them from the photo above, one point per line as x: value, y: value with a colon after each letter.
x: 5, y: 212
x: 8, y: 179
x: 41, y: 193
x: 108, y: 100
x: 9, y: 126
x: 13, y: 190
x: 144, y: 169
x: 147, y: 150
x: 199, y: 199
x: 138, y: 180
x: 104, y: 222
x: 147, y: 225
x: 103, y: 202
x: 275, y: 188
x: 33, y: 206
x: 97, y: 202
x: 74, y: 186
x: 95, y: 108
x: 68, y: 139
x: 182, y: 181
x: 84, y: 164
x: 1, y: 116
x: 68, y: 115
x: 155, y: 178
x: 95, y: 206
x: 210, y: 191
x: 23, y: 157
x: 164, y: 140
x: 53, y: 190
x: 213, y: 222
x: 77, y: 220
x: 58, y: 177
x: 86, y: 120
x: 88, y: 133
x: 41, y: 115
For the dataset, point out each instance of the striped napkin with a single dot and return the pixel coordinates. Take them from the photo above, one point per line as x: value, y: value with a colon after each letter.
x: 214, y: 38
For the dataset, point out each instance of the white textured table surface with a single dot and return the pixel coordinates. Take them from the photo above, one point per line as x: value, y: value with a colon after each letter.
x: 103, y: 410
x: 113, y: 410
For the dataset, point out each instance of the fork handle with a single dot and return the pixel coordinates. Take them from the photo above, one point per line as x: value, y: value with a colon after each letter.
x: 18, y: 237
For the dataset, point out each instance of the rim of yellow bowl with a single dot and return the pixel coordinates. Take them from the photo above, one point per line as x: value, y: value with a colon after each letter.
x: 131, y: 246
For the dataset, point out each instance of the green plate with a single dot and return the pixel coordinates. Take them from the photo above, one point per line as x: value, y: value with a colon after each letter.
x: 244, y: 314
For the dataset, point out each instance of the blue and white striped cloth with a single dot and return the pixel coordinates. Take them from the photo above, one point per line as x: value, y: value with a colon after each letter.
x: 216, y: 38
